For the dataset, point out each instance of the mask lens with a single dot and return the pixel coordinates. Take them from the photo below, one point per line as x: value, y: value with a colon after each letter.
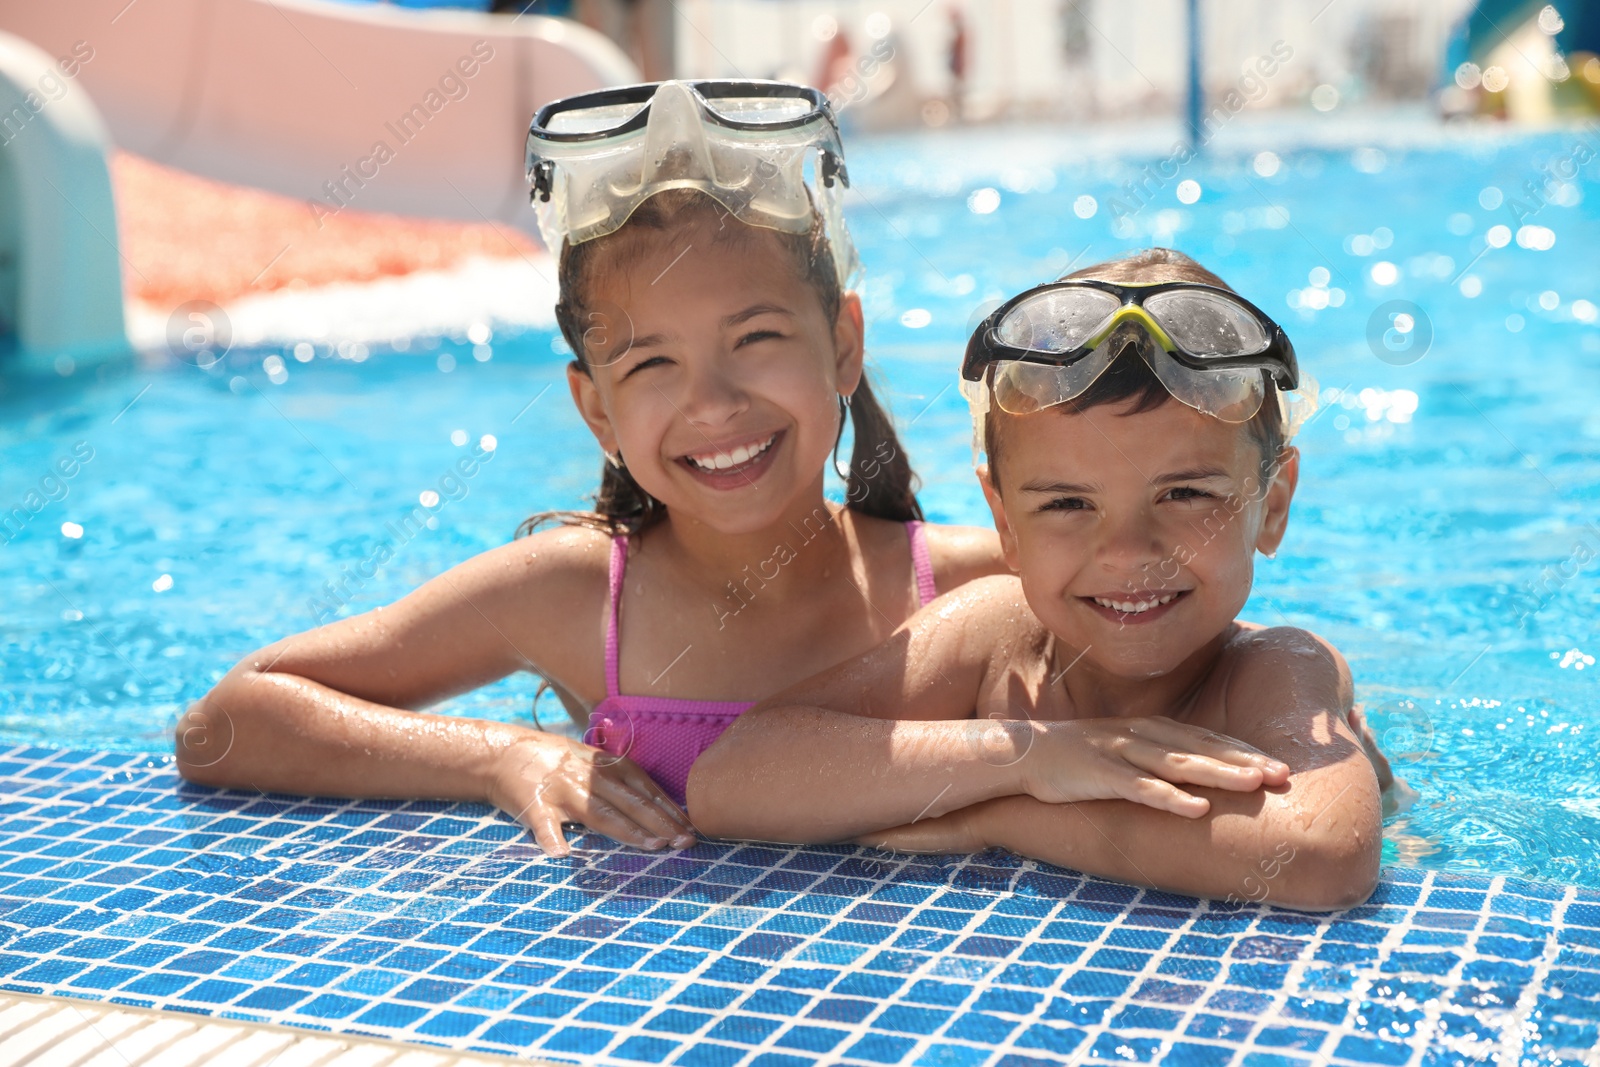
x: 1208, y: 324
x: 1021, y: 388
x: 593, y: 119
x: 1232, y: 396
x: 1056, y: 320
x: 760, y: 109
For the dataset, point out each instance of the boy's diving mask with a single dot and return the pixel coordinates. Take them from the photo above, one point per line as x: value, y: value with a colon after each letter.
x: 1212, y: 349
x: 593, y: 158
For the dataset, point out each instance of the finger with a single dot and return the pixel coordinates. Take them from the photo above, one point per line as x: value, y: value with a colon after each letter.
x: 644, y: 810
x: 688, y: 834
x: 643, y: 784
x: 635, y: 779
x: 1206, y: 742
x: 601, y: 815
x: 1164, y: 796
x: 547, y: 832
x: 1191, y: 768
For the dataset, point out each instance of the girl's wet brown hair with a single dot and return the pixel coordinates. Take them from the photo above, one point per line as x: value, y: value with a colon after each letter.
x: 1129, y: 377
x: 881, y: 482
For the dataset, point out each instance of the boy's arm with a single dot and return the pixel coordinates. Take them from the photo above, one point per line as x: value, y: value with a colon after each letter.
x: 1313, y: 843
x: 804, y: 764
x: 836, y: 756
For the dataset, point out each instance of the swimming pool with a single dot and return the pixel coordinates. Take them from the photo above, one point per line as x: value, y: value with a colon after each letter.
x: 1445, y: 536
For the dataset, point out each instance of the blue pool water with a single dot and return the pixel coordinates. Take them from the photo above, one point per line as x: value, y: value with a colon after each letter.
x: 1446, y: 534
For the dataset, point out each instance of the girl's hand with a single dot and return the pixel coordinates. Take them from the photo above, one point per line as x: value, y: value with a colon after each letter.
x: 1138, y: 760
x: 543, y: 780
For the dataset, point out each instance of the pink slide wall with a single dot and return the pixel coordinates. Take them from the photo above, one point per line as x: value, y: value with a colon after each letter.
x: 371, y: 107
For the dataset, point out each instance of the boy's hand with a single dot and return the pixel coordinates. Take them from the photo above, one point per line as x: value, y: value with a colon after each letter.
x: 1138, y: 759
x: 544, y: 780
x: 1397, y: 794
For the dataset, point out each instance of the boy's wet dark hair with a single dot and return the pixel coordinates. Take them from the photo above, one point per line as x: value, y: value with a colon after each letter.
x: 1129, y: 377
x: 881, y: 482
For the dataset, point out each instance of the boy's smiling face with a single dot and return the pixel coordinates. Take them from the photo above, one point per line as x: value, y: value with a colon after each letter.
x: 1108, y: 505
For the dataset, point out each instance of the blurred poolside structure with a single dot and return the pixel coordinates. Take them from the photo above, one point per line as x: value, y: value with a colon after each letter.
x: 1078, y: 60
x: 331, y: 106
x: 324, y: 106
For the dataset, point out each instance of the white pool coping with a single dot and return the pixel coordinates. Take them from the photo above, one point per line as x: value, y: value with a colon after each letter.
x: 66, y: 1032
x: 512, y: 292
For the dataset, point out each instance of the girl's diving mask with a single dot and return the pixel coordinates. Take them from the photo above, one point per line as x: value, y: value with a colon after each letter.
x: 593, y: 158
x: 1212, y: 349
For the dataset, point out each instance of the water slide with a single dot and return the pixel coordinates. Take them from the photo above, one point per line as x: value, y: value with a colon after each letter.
x: 373, y: 108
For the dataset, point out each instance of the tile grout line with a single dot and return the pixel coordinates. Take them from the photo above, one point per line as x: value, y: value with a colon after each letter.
x: 453, y: 855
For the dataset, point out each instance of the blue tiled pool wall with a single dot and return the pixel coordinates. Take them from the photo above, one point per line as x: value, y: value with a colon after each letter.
x: 441, y: 923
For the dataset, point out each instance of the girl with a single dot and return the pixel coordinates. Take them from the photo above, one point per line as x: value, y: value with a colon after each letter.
x: 717, y: 356
x: 704, y: 291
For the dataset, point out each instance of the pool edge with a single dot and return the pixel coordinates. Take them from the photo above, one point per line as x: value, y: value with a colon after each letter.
x: 55, y: 1031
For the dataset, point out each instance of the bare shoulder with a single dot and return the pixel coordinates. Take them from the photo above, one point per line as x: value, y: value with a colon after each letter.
x: 963, y: 553
x: 1282, y: 677
x: 988, y: 618
x: 994, y: 598
x: 560, y: 560
x: 933, y: 666
x: 1290, y: 693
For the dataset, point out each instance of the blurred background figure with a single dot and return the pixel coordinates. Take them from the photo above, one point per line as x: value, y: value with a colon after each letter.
x: 644, y: 29
x: 958, y: 58
x: 837, y: 55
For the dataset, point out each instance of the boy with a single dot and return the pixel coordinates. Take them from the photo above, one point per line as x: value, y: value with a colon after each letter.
x: 1137, y: 459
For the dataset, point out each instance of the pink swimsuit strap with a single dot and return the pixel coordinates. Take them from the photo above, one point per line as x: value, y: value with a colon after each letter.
x: 665, y: 735
x: 619, y: 564
x: 921, y: 561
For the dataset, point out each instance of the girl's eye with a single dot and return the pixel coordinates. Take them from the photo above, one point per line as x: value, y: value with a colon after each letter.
x: 1066, y: 503
x: 758, y: 335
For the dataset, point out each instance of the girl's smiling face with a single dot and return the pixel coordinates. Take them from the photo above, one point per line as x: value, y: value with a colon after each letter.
x: 1134, y: 534
x: 716, y: 373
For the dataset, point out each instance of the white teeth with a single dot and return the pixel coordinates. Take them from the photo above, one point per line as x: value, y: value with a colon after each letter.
x: 1130, y: 607
x: 721, y: 461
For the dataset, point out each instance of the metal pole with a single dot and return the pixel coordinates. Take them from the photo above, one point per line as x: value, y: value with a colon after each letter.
x: 1195, y: 103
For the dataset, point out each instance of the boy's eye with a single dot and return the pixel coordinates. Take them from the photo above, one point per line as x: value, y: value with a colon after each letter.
x: 1065, y: 503
x: 642, y: 364
x: 1188, y: 492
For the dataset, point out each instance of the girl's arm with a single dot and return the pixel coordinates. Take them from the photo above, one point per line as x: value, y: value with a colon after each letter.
x: 889, y: 738
x: 330, y: 711
x: 1313, y: 843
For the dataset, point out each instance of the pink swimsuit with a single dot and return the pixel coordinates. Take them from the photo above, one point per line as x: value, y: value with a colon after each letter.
x: 665, y: 735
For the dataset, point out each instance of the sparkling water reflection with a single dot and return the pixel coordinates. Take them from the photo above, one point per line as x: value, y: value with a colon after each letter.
x: 1446, y: 533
